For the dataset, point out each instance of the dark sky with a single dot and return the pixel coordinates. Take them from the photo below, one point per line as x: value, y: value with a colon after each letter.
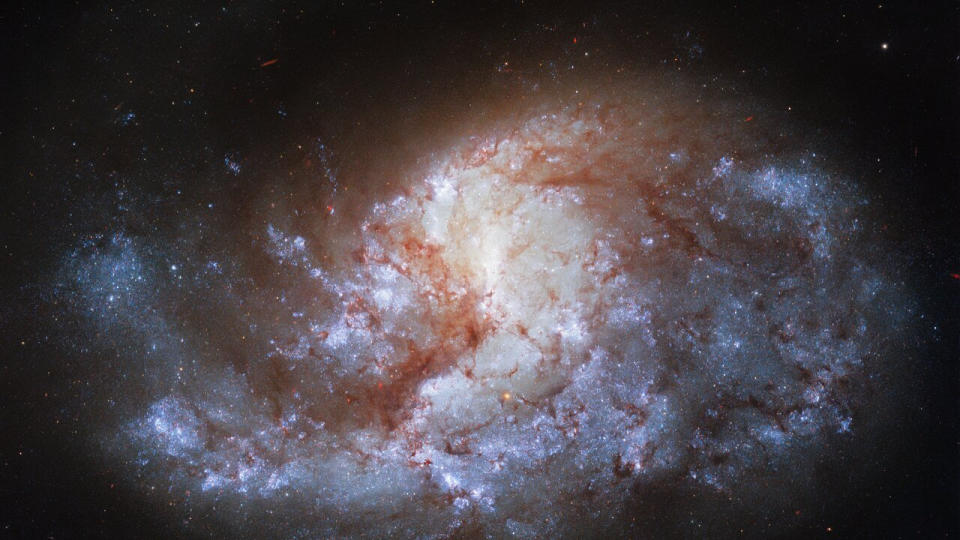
x: 153, y: 98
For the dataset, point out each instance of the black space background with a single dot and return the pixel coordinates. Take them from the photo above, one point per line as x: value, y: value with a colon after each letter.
x: 67, y: 66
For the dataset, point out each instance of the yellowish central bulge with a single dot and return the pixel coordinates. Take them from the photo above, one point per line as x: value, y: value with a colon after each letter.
x: 528, y: 250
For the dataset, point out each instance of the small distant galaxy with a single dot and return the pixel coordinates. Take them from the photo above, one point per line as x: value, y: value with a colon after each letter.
x: 542, y: 271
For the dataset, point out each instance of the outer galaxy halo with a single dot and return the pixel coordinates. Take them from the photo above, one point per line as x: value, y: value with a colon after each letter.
x: 428, y: 270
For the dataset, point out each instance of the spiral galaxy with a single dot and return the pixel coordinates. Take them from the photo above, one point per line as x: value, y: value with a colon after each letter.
x: 565, y: 308
x: 624, y: 300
